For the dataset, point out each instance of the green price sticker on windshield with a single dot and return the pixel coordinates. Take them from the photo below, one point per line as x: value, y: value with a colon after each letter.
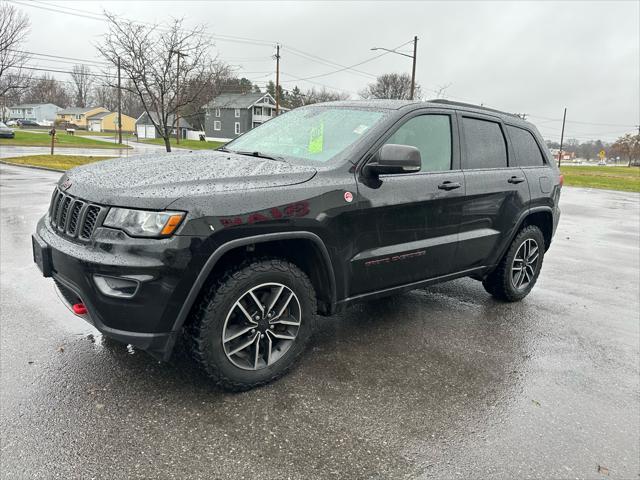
x: 316, y: 139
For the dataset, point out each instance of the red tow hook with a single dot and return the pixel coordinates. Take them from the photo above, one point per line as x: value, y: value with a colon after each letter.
x: 79, y: 309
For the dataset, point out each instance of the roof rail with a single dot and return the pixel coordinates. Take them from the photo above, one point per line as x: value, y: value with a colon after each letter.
x: 470, y: 105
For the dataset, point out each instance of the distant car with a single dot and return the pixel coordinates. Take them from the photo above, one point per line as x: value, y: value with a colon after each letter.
x: 11, y: 123
x: 602, y: 163
x: 6, y: 132
x: 27, y: 123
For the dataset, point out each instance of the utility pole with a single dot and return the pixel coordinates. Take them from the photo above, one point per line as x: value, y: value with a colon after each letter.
x: 564, y: 118
x: 413, y: 70
x: 119, y: 106
x: 413, y: 57
x: 177, y: 101
x: 277, y: 79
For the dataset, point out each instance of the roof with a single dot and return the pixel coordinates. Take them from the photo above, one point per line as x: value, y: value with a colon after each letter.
x: 31, y: 105
x: 76, y: 110
x: 144, y: 120
x: 99, y: 115
x: 236, y: 100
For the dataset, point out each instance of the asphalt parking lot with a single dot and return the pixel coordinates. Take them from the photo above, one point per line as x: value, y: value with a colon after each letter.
x: 442, y: 383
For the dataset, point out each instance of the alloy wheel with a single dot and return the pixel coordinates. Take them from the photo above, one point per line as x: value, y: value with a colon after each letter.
x: 261, y: 326
x: 525, y: 263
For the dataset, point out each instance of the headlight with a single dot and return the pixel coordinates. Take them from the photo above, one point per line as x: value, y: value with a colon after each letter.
x: 140, y: 223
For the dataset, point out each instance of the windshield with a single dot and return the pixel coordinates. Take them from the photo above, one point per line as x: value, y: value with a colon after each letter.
x: 309, y: 133
x: 2, y: 125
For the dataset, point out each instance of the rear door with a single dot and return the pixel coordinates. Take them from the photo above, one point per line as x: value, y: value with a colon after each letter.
x: 529, y: 157
x: 496, y: 191
x: 408, y: 226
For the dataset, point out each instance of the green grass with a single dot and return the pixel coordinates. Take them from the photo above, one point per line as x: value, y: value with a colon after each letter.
x: 33, y: 139
x: 86, y: 133
x: 626, y: 179
x: 188, y: 144
x: 57, y: 162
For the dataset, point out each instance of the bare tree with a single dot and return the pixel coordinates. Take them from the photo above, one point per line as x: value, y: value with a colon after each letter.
x: 14, y: 28
x: 83, y: 80
x: 46, y: 89
x: 395, y: 86
x: 441, y: 90
x: 149, y: 58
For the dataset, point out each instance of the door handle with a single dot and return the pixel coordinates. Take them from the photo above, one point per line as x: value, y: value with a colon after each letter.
x: 448, y: 185
x: 515, y: 179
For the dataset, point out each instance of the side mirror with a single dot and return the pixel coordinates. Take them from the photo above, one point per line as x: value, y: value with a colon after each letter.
x: 394, y: 159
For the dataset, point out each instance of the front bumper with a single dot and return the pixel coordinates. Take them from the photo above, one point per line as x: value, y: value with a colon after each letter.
x: 163, y: 268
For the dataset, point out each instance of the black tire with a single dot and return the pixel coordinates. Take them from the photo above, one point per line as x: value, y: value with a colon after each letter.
x: 501, y: 283
x: 207, y: 326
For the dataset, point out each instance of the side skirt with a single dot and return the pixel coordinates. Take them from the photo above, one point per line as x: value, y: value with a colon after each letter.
x: 472, y: 272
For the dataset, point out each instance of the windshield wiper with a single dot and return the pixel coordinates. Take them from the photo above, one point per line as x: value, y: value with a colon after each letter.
x: 258, y: 155
x: 223, y: 149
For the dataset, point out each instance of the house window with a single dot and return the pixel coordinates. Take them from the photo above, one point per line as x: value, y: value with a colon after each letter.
x: 237, y: 112
x: 257, y: 110
x: 255, y: 124
x: 217, y: 112
x: 78, y: 117
x: 217, y: 125
x: 237, y: 128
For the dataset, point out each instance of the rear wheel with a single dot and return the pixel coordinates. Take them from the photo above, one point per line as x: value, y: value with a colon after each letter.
x: 252, y: 326
x: 517, y: 273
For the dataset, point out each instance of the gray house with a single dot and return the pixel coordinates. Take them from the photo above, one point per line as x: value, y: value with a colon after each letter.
x: 231, y: 114
x: 43, y: 113
x: 146, y: 129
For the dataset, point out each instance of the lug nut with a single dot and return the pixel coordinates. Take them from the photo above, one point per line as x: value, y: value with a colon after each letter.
x: 262, y: 335
x: 271, y: 327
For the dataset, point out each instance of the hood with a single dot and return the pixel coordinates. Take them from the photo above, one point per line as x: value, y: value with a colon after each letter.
x: 155, y: 181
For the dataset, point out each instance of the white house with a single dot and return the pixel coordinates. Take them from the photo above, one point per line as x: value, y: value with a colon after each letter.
x: 42, y: 113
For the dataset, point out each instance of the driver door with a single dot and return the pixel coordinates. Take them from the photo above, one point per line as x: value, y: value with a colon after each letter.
x: 409, y: 222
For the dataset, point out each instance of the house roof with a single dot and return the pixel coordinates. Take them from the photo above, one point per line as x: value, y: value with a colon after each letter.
x: 32, y: 105
x: 76, y: 110
x: 236, y: 100
x: 144, y: 120
x: 99, y: 115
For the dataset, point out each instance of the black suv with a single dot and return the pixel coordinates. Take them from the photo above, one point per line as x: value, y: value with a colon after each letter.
x: 241, y: 249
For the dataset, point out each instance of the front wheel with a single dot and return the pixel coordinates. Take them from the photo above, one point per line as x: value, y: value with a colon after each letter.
x: 251, y: 328
x: 518, y: 271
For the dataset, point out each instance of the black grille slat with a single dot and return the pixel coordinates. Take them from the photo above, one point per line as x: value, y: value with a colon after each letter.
x: 64, y: 211
x: 90, y: 220
x: 73, y: 217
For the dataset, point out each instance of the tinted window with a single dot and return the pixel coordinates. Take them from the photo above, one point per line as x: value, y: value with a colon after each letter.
x: 484, y: 144
x: 431, y: 134
x: 526, y: 148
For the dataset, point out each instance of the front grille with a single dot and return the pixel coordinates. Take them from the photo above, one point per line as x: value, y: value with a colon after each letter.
x: 73, y: 217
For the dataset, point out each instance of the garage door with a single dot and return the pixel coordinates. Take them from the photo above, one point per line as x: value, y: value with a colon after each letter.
x: 94, y: 126
x: 151, y: 131
x: 141, y: 131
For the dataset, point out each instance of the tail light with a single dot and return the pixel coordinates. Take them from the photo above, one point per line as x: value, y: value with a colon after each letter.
x: 561, y: 179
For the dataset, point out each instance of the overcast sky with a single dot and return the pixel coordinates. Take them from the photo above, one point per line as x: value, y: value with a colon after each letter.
x: 534, y: 58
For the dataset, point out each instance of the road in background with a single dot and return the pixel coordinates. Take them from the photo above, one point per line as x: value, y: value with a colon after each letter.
x: 443, y: 382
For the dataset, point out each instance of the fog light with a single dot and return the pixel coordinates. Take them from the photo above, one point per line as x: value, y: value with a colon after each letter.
x: 116, y: 286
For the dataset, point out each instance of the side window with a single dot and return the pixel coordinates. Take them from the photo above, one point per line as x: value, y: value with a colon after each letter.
x: 526, y: 148
x: 484, y: 144
x: 431, y: 134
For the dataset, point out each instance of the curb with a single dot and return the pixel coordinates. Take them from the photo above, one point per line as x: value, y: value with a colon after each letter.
x: 32, y: 166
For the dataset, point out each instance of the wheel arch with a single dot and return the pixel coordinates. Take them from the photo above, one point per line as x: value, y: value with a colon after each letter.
x: 323, y: 278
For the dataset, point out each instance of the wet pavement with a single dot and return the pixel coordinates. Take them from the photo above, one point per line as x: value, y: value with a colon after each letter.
x: 437, y: 383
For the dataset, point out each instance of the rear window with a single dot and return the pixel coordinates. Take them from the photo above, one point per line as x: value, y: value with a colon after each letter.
x: 484, y: 143
x: 526, y: 148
